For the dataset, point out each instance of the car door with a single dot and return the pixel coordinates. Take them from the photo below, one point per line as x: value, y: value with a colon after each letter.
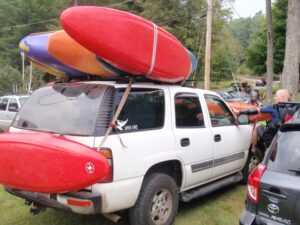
x: 279, y: 187
x: 231, y: 142
x: 4, y: 118
x: 193, y: 138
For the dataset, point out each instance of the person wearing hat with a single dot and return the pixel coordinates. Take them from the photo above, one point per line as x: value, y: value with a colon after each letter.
x: 254, y: 99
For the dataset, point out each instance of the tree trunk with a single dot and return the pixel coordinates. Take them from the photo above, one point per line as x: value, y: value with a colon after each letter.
x: 290, y: 74
x: 208, y: 45
x: 269, y: 52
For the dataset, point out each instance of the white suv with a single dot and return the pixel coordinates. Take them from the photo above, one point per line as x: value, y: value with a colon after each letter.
x: 170, y: 143
x: 9, y: 105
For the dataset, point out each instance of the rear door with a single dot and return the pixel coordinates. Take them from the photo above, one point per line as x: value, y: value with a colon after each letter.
x: 280, y: 184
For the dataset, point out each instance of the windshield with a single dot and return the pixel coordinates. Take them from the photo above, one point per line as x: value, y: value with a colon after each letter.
x: 64, y: 109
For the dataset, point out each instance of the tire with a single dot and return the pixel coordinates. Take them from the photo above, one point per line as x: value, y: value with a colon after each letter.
x: 157, y: 203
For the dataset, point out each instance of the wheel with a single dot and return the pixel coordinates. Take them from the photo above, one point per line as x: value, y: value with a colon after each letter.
x: 157, y: 203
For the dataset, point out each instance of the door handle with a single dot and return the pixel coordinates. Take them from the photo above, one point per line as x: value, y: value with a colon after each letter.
x: 217, y: 138
x: 273, y: 194
x: 184, y: 142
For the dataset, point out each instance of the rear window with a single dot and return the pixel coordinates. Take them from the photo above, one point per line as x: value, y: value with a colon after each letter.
x: 144, y: 109
x: 64, y: 108
x: 284, y: 155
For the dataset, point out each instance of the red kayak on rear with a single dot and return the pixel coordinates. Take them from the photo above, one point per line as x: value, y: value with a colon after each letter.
x: 42, y: 162
x: 128, y: 42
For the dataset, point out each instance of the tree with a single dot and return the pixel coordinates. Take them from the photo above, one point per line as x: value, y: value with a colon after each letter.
x: 11, y: 76
x: 290, y: 75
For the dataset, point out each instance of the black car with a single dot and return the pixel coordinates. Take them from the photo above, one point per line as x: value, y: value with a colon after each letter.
x: 273, y: 191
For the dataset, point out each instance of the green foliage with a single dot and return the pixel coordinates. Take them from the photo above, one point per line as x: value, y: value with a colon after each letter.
x: 9, y: 76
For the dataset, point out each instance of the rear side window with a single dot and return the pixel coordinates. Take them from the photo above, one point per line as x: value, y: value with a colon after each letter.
x: 144, y: 109
x: 284, y: 155
x: 188, y: 111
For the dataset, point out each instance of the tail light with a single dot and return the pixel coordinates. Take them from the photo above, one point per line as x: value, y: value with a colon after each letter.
x: 253, y: 182
x: 106, y: 152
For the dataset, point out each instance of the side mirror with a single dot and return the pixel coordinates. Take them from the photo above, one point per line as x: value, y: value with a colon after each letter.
x: 243, y: 119
x: 13, y: 108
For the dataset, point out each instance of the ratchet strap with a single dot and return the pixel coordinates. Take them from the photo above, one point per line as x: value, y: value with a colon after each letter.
x: 117, y: 113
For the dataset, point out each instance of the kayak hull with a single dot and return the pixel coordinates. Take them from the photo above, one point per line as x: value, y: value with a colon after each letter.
x: 42, y: 162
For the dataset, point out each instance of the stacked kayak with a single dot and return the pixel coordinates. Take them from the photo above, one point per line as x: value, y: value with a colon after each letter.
x: 129, y: 43
x: 35, y: 47
x: 109, y: 43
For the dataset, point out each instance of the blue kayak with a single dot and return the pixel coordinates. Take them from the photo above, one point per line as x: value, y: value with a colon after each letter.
x: 35, y: 47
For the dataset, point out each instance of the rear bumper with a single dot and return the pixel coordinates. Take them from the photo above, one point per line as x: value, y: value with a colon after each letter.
x: 247, y: 218
x: 101, y: 198
x: 60, y: 202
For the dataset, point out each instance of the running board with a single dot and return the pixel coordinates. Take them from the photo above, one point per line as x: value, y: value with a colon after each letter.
x: 211, y: 187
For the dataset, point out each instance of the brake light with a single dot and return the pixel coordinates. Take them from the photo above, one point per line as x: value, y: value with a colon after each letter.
x: 106, y: 152
x: 253, y: 182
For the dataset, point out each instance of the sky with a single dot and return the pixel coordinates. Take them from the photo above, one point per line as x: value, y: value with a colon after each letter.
x: 247, y: 8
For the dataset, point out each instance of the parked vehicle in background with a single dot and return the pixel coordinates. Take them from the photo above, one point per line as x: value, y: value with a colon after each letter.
x: 274, y: 186
x: 9, y: 106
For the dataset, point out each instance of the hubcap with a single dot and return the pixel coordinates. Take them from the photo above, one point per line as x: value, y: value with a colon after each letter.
x: 161, y: 207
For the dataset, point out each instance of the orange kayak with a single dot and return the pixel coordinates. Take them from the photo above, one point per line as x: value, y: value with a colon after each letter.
x: 66, y: 50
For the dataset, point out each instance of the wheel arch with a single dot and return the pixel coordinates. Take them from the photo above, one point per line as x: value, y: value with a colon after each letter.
x: 173, y: 168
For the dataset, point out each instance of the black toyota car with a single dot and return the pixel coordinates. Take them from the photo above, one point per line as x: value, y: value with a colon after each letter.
x: 273, y: 191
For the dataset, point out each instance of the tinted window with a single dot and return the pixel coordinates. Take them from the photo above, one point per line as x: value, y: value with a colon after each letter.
x: 64, y: 108
x: 144, y: 109
x: 3, y: 104
x: 219, y: 113
x: 285, y: 153
x: 188, y: 111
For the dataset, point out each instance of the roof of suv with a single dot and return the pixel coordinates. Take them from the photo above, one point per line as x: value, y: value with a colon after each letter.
x: 148, y: 84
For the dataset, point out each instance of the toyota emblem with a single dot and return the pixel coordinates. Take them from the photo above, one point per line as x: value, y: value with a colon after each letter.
x: 274, y: 209
x: 89, y: 167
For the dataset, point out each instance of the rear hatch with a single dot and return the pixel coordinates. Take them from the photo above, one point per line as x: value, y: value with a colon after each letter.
x: 78, y: 111
x: 279, y: 198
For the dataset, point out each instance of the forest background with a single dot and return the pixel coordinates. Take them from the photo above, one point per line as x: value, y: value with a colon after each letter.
x: 239, y: 46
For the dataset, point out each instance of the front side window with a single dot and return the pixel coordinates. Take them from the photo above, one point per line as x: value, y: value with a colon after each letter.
x: 144, y: 109
x: 219, y: 113
x: 285, y: 153
x: 188, y: 111
x: 3, y: 104
x: 70, y: 109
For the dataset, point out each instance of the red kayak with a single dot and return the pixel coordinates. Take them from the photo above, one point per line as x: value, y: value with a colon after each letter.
x: 43, y: 162
x: 237, y: 106
x: 128, y: 42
